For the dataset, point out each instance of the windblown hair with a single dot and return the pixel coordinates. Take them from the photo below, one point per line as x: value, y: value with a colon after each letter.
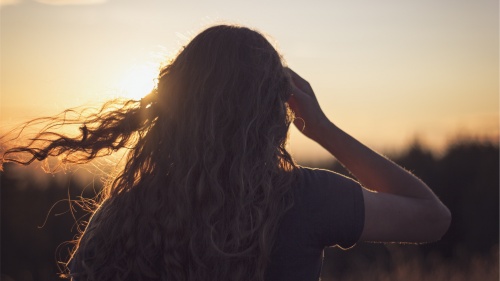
x: 207, y: 176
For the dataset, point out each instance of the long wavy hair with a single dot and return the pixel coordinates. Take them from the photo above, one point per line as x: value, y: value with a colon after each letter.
x: 207, y: 176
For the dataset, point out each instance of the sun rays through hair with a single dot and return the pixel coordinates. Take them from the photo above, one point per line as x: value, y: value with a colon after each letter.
x: 207, y: 176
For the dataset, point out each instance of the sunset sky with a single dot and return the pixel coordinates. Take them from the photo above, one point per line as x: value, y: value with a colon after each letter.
x: 385, y: 71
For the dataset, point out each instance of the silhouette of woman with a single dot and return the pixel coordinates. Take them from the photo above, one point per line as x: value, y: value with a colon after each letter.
x: 209, y: 191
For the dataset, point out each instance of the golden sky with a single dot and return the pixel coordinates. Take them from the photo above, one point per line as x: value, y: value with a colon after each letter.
x: 385, y: 71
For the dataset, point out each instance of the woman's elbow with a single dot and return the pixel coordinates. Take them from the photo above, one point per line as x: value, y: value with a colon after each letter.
x: 439, y: 221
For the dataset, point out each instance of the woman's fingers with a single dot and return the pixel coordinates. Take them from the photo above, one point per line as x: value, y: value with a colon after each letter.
x: 304, y: 104
x: 301, y: 83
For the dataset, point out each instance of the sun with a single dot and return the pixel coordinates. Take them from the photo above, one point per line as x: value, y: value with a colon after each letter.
x: 138, y: 81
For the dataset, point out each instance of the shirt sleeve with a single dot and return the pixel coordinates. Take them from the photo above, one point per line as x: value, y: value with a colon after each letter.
x: 336, y: 208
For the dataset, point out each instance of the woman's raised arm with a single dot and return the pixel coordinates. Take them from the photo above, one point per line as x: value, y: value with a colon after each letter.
x: 399, y: 207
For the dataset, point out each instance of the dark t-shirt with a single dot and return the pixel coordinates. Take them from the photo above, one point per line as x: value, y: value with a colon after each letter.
x: 328, y: 210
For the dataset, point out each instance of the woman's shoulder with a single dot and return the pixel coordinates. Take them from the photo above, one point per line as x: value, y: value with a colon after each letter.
x: 320, y: 187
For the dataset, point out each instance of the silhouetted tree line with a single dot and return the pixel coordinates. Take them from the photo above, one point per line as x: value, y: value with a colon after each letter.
x: 37, y: 217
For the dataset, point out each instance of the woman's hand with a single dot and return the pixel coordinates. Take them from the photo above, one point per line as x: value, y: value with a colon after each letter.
x: 309, y: 118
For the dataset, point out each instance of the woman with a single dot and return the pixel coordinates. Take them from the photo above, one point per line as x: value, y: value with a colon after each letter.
x: 209, y: 191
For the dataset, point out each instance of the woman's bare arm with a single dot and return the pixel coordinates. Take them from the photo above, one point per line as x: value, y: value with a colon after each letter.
x: 399, y: 207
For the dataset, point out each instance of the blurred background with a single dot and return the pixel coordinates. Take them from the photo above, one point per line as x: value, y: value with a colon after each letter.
x: 39, y: 214
x: 416, y: 80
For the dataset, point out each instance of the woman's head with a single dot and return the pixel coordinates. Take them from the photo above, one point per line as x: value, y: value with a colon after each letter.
x: 226, y: 80
x: 228, y: 62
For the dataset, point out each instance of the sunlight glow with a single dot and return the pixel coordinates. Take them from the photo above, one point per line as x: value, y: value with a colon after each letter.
x: 138, y: 81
